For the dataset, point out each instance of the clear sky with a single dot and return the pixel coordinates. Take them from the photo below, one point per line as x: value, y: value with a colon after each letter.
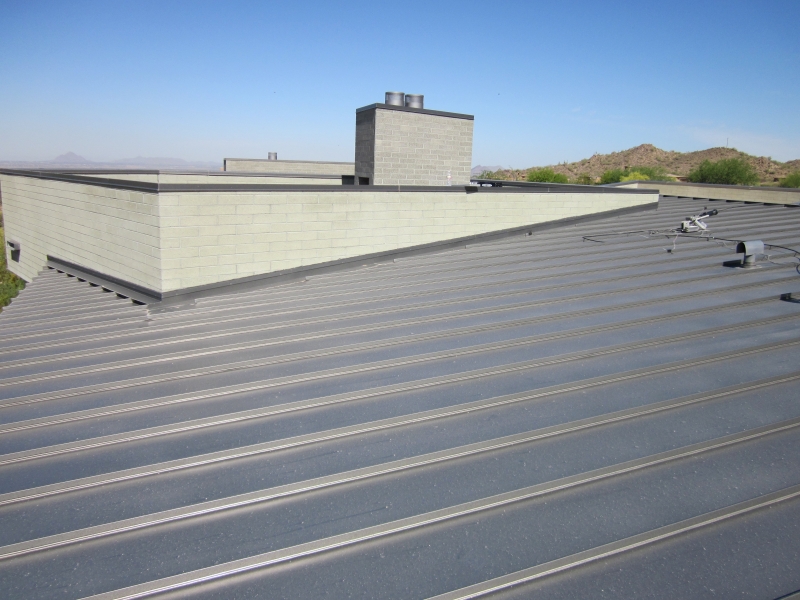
x: 546, y: 81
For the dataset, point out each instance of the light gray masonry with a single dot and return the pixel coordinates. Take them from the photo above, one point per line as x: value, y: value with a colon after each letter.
x: 285, y: 167
x: 172, y: 236
x: 407, y: 146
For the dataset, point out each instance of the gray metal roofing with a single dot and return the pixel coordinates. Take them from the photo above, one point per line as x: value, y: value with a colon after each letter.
x: 540, y: 414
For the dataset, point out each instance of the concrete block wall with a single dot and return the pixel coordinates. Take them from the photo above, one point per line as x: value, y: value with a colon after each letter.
x: 254, y: 165
x: 171, y: 240
x: 259, y: 179
x: 109, y: 230
x: 413, y: 146
x: 221, y: 178
x: 211, y: 237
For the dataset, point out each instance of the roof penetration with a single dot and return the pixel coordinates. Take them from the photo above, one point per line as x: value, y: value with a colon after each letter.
x: 615, y: 416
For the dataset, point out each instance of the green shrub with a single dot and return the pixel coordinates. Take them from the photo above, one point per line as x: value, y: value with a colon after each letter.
x: 10, y: 284
x: 612, y: 176
x: 791, y: 181
x: 584, y: 179
x: 651, y: 173
x: 547, y: 176
x: 634, y: 176
x: 730, y: 171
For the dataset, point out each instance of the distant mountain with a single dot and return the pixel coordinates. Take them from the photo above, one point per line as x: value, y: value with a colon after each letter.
x: 70, y: 158
x: 480, y: 169
x: 675, y: 163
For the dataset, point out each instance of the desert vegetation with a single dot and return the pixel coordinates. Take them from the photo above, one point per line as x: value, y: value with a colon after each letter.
x: 638, y: 173
x: 728, y: 171
x: 655, y: 164
x: 546, y: 176
x: 10, y: 284
x: 791, y: 181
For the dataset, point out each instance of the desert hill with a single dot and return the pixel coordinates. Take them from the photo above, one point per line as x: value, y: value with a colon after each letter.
x: 675, y: 163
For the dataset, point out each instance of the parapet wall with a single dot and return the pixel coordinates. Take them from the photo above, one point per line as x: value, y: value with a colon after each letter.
x: 211, y: 237
x: 169, y: 237
x: 254, y: 165
x: 767, y: 195
x: 114, y: 231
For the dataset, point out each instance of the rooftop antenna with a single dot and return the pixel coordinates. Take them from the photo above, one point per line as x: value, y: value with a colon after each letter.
x: 696, y: 223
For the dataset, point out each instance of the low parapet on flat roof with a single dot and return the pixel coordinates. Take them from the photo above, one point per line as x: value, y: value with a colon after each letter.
x: 713, y: 191
x: 309, y: 162
x: 483, y: 186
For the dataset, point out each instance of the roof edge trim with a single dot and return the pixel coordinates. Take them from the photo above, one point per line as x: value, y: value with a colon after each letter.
x: 420, y: 111
x: 133, y: 291
x: 155, y: 188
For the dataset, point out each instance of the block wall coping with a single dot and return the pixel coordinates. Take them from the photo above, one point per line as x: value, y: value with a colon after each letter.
x: 154, y: 188
x: 420, y: 111
x: 303, y: 162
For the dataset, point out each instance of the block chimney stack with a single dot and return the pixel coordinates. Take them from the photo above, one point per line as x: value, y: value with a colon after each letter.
x: 402, y: 143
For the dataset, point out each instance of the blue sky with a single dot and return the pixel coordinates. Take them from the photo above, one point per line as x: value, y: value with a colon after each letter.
x: 546, y: 81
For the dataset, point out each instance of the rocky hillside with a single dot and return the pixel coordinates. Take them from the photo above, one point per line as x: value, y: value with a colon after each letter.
x: 675, y: 163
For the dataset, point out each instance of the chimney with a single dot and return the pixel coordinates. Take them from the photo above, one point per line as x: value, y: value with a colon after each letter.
x: 401, y: 142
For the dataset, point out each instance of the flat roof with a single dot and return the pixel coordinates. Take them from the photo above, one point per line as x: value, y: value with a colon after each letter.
x: 598, y: 409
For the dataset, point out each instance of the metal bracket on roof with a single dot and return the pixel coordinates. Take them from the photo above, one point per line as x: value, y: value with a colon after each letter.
x: 15, y: 249
x: 791, y: 297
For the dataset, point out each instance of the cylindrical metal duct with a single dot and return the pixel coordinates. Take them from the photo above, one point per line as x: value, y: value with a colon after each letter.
x: 751, y: 250
x: 415, y: 101
x: 395, y: 98
x: 272, y: 156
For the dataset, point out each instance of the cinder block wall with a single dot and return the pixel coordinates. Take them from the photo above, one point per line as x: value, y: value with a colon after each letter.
x: 221, y: 178
x: 108, y: 230
x: 208, y: 237
x: 254, y: 165
x: 400, y: 146
x: 171, y: 240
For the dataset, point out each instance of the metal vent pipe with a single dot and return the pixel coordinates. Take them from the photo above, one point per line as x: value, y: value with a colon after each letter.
x: 751, y: 249
x: 395, y: 98
x: 272, y: 156
x: 415, y: 101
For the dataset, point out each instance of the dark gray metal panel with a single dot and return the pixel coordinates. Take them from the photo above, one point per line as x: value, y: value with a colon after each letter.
x: 754, y: 556
x: 153, y: 448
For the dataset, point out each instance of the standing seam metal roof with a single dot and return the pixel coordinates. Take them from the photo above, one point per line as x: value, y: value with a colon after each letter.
x: 542, y: 414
